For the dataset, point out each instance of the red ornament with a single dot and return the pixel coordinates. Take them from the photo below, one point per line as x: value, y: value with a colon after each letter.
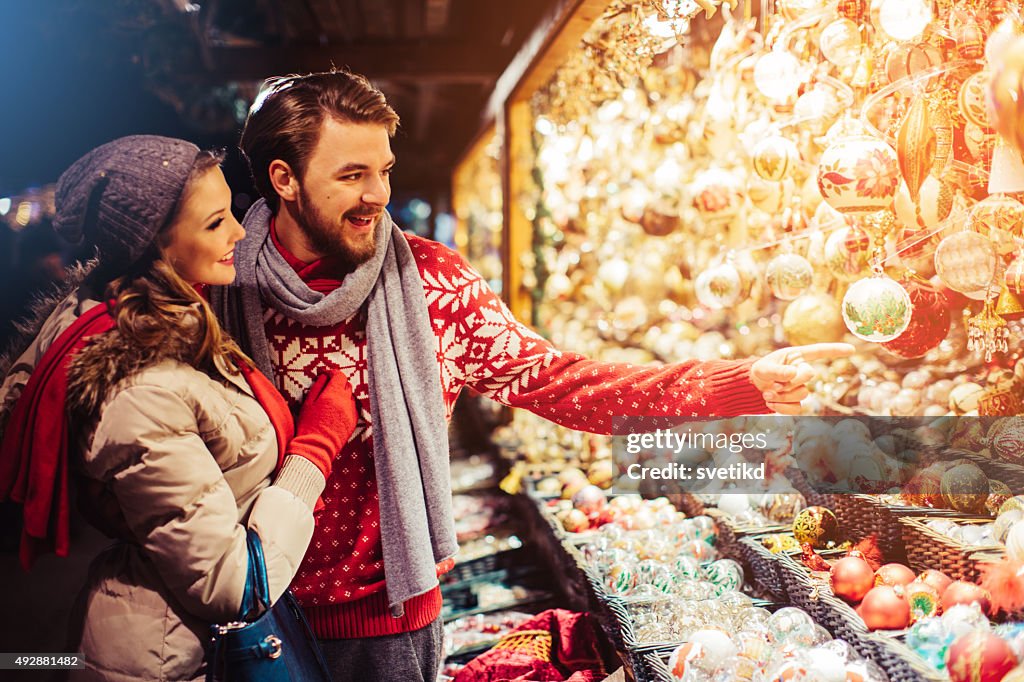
x: 937, y: 579
x: 979, y: 657
x: 929, y: 321
x: 957, y: 301
x: 852, y: 577
x: 923, y: 600
x: 963, y: 592
x: 883, y: 609
x: 893, y: 575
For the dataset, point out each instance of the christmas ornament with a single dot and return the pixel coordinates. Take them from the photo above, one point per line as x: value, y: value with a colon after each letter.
x: 777, y: 75
x: 718, y: 287
x: 893, y: 575
x: 1008, y: 443
x: 963, y: 592
x: 840, y: 42
x: 775, y: 157
x: 846, y: 253
x: 717, y: 196
x: 659, y: 220
x: 979, y: 657
x: 935, y: 201
x: 1013, y: 278
x: 788, y: 275
x: 904, y: 20
x: 929, y: 321
x: 909, y: 59
x: 966, y: 488
x: 859, y: 175
x: 998, y: 492
x: 876, y: 309
x: 589, y: 500
x: 971, y: 99
x: 936, y: 579
x: 970, y: 40
x: 1008, y: 305
x: 915, y: 146
x: 967, y: 263
x: 705, y: 651
x: 813, y: 318
x: 621, y: 578
x: 883, y: 609
x: 987, y: 332
x: 1000, y: 219
x: 725, y: 574
x: 790, y: 625
x: 851, y: 578
x: 817, y: 526
x: 922, y: 598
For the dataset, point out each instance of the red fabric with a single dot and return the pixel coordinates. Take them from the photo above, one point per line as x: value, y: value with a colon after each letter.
x: 479, y: 345
x: 323, y: 275
x: 369, y: 617
x: 575, y: 652
x: 274, y: 404
x: 34, y: 452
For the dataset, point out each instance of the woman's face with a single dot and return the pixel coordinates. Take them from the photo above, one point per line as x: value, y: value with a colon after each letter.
x: 201, y: 245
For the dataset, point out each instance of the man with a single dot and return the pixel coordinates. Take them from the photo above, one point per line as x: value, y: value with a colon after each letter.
x: 326, y: 280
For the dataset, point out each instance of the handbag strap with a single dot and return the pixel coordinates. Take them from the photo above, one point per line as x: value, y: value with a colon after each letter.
x: 256, y: 596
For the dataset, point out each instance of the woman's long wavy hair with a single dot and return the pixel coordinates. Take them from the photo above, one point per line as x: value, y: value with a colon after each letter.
x: 153, y: 303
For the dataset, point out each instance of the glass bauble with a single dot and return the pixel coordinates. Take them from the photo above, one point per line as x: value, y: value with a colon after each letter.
x: 813, y: 318
x: 929, y: 321
x: 967, y: 263
x: 777, y: 75
x: 718, y: 287
x: 775, y: 157
x: 846, y: 254
x: 904, y: 20
x: 876, y: 309
x: 788, y: 275
x: 840, y: 42
x: 1000, y: 218
x: 859, y: 175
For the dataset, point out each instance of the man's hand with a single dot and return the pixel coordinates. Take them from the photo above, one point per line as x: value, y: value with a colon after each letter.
x: 782, y: 375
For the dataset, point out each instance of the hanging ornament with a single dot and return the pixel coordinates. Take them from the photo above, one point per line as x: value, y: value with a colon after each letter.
x: 987, y: 332
x: 777, y: 75
x: 877, y: 309
x: 768, y: 195
x: 910, y: 59
x: 859, y: 175
x: 854, y: 10
x: 878, y: 226
x: 967, y: 263
x: 999, y: 218
x: 717, y: 196
x: 915, y: 146
x: 904, y: 20
x: 978, y: 142
x: 971, y: 99
x: 970, y: 40
x: 929, y: 321
x: 840, y: 42
x: 1009, y: 306
x: 846, y: 254
x: 813, y: 318
x: 935, y: 201
x: 718, y: 287
x: 775, y: 157
x: 788, y: 275
x: 1014, y: 276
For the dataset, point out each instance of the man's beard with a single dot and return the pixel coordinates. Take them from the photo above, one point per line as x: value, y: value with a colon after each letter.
x: 327, y: 237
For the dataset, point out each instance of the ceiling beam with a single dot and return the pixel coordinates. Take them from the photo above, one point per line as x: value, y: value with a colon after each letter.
x: 437, y: 62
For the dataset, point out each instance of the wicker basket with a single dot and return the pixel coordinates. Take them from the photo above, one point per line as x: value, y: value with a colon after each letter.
x: 803, y: 485
x: 763, y: 567
x: 688, y: 503
x: 863, y: 515
x: 928, y: 549
x: 902, y: 664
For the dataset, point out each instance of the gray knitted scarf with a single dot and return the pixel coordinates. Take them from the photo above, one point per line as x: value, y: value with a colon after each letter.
x: 410, y: 435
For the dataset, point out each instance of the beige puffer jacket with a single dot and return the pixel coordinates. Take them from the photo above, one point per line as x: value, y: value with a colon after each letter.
x: 181, y: 462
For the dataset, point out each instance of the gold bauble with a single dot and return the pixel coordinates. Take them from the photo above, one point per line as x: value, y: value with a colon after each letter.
x: 814, y: 317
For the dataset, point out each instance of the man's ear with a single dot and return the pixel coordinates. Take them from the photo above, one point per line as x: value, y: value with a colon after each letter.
x: 283, y: 180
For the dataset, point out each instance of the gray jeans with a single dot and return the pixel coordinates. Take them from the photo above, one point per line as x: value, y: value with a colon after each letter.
x: 409, y: 657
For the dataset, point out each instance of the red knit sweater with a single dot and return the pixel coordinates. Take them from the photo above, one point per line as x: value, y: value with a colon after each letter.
x: 480, y: 345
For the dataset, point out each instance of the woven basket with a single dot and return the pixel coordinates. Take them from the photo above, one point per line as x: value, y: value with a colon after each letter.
x: 688, y: 503
x: 902, y: 664
x: 1010, y: 474
x: 763, y: 567
x: 929, y: 549
x: 863, y: 515
x: 813, y: 496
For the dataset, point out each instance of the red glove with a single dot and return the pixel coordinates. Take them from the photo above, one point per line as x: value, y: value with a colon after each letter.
x: 326, y: 420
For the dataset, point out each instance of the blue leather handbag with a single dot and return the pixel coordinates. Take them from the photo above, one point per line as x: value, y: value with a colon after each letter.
x: 266, y: 643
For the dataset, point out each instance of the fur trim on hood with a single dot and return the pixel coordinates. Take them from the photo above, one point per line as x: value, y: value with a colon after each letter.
x: 110, y: 358
x: 43, y: 303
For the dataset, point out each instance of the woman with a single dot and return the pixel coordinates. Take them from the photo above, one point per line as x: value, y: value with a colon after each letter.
x: 177, y: 444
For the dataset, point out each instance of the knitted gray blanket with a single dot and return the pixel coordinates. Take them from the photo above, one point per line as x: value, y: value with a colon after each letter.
x: 410, y: 435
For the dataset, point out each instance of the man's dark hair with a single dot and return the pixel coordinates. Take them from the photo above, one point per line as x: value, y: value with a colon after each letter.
x: 285, y: 120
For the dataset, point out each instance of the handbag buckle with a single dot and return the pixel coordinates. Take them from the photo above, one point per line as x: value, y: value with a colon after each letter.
x: 274, y: 643
x: 228, y: 627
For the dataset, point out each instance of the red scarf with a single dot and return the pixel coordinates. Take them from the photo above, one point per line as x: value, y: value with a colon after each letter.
x: 34, y: 451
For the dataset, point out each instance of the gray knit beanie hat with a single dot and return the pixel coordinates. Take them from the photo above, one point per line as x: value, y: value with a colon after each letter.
x: 119, y: 195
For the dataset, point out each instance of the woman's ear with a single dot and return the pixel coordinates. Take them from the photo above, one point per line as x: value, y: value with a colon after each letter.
x: 283, y: 180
